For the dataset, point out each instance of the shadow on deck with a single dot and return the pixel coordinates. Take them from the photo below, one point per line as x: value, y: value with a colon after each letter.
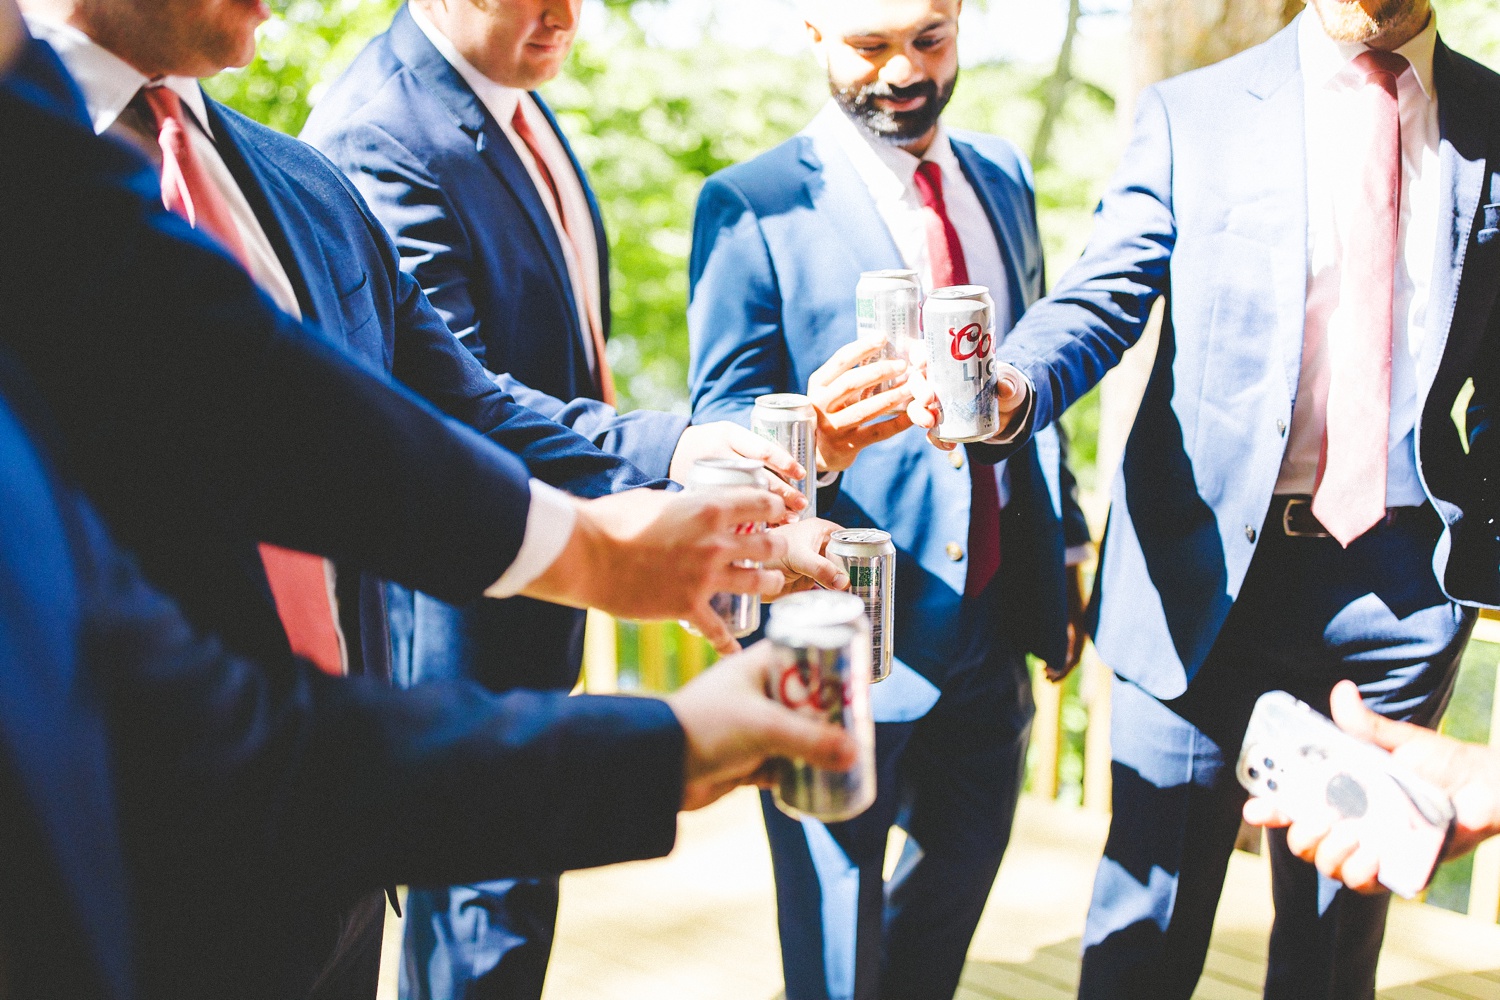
x: 701, y: 925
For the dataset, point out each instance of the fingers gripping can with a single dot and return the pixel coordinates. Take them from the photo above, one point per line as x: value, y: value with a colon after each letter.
x: 869, y: 557
x: 739, y: 612
x: 823, y: 643
x: 887, y: 309
x: 958, y: 324
x: 789, y: 419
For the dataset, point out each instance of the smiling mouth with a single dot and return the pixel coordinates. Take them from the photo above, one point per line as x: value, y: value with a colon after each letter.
x: 900, y: 105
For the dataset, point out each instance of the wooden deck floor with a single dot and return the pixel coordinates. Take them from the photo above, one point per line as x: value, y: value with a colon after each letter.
x: 701, y: 925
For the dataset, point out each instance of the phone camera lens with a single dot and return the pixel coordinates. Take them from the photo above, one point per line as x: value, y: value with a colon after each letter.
x: 1270, y: 764
x: 1253, y: 772
x: 1271, y: 784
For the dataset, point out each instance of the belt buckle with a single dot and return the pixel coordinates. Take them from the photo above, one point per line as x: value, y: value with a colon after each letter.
x: 1286, y: 520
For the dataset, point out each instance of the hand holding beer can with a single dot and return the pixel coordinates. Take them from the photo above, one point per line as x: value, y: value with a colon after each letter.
x: 869, y: 558
x: 823, y: 643
x: 790, y: 420
x: 739, y: 612
x: 958, y: 324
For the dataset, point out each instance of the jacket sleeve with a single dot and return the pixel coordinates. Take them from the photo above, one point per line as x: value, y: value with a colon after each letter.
x: 206, y: 408
x: 1065, y: 343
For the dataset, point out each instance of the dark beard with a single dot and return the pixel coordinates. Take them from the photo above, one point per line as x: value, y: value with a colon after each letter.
x: 896, y: 128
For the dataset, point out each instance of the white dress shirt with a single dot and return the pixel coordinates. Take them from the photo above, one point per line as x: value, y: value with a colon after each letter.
x: 1330, y: 83
x: 109, y: 84
x: 580, y: 248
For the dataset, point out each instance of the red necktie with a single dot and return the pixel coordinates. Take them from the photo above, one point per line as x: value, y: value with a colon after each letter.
x: 1350, y: 494
x: 299, y: 581
x: 523, y: 130
x: 945, y: 255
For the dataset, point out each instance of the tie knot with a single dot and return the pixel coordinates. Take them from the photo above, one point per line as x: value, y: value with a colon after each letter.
x: 929, y: 182
x: 164, y: 103
x: 1372, y: 64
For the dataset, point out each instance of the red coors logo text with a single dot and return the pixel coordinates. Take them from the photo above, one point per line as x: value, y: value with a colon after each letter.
x: 798, y: 693
x: 969, y: 341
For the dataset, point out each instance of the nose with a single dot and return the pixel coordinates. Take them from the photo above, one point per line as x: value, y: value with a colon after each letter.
x: 561, y: 15
x: 900, y: 71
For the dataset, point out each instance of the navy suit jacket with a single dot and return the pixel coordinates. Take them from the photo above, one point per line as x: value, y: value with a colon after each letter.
x: 1209, y: 210
x: 174, y: 813
x: 347, y: 278
x: 778, y: 246
x: 439, y: 172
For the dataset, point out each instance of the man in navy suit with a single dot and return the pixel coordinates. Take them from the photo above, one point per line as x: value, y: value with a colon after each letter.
x: 778, y: 246
x: 1321, y: 215
x: 438, y: 125
x: 200, y: 420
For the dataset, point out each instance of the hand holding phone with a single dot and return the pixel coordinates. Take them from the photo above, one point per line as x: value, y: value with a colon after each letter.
x: 1312, y: 771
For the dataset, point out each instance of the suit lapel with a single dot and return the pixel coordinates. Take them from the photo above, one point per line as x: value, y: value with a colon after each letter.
x: 987, y: 181
x: 601, y: 241
x: 841, y: 201
x: 414, y: 49
x: 265, y: 188
x: 1462, y: 155
x: 1274, y: 186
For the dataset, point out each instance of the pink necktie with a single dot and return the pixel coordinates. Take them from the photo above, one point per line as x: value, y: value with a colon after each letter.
x: 945, y: 255
x: 523, y: 130
x: 299, y: 581
x: 1349, y: 497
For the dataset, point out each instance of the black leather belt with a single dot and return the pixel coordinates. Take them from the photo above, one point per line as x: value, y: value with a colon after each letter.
x: 1293, y: 514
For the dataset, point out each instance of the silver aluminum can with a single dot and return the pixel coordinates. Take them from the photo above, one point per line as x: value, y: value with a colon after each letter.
x: 888, y: 310
x: 823, y: 645
x: 740, y: 613
x: 958, y: 324
x: 789, y: 419
x: 869, y: 557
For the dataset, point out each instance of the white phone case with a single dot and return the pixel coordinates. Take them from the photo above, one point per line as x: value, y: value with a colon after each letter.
x: 1310, y: 769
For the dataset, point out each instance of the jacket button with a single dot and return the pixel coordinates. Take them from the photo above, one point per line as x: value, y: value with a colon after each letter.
x: 1281, y: 427
x: 1249, y: 534
x: 956, y: 458
x: 955, y: 551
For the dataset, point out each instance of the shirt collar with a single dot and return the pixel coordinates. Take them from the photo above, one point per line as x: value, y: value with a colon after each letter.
x: 1323, y: 58
x: 108, y: 82
x: 887, y: 170
x: 498, y: 98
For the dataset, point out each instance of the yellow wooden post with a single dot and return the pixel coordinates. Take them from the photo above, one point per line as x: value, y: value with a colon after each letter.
x: 1046, y: 734
x: 692, y: 655
x: 653, y: 653
x: 601, y: 661
x: 1097, y: 687
x: 1484, y: 886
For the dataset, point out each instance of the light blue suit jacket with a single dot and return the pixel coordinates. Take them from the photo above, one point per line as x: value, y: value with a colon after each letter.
x: 778, y: 245
x: 1209, y: 210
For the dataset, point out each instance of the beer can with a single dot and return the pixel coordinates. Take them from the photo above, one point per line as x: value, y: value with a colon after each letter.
x: 958, y: 324
x: 788, y: 418
x: 869, y: 557
x: 887, y: 310
x: 740, y: 613
x: 823, y: 646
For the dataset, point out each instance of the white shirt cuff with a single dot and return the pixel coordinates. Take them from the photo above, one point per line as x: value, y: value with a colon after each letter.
x: 549, y: 524
x: 1018, y: 423
x: 1077, y: 555
x: 826, y: 479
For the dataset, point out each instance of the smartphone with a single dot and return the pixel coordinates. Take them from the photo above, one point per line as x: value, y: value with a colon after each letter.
x: 1310, y: 769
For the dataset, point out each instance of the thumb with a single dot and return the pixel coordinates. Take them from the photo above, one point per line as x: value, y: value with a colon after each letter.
x: 790, y: 734
x: 1010, y: 387
x: 1354, y: 718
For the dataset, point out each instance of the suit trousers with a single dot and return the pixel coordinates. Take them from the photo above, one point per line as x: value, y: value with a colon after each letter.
x: 491, y: 940
x: 1309, y: 614
x: 950, y: 781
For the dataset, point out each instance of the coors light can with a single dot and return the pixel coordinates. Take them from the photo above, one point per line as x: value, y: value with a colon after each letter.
x: 739, y: 612
x: 823, y: 642
x: 788, y: 418
x: 958, y: 324
x: 888, y: 311
x: 869, y: 557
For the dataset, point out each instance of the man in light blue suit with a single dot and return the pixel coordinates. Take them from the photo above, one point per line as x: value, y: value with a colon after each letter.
x: 779, y: 244
x: 1321, y: 216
